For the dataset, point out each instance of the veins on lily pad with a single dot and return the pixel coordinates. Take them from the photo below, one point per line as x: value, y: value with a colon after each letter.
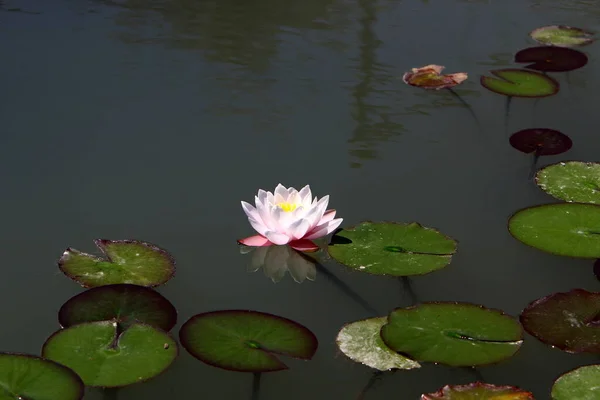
x: 562, y: 35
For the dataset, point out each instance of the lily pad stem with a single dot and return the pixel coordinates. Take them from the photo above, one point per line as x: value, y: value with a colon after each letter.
x: 256, y: 386
x: 536, y: 157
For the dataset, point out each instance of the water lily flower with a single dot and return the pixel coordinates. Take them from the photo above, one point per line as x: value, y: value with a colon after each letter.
x: 289, y: 217
x: 429, y: 77
x: 276, y: 260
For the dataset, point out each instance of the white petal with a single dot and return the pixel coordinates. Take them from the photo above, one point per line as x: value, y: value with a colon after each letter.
x: 306, y: 195
x: 277, y: 238
x: 265, y: 215
x: 299, y: 228
x: 281, y: 194
x: 328, y: 216
x: 323, y: 230
x: 262, y: 196
x: 258, y: 226
x: 250, y: 211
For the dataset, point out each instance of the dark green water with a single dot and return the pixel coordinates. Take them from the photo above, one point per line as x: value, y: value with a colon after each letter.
x: 152, y: 119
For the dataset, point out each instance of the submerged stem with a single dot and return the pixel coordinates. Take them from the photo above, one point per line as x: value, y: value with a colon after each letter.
x: 408, y: 288
x: 464, y: 103
x: 256, y: 386
x: 536, y: 157
x: 375, y: 377
x: 506, y: 114
x: 110, y: 394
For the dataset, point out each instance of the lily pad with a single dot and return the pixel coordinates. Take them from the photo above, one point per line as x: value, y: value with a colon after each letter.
x: 542, y: 141
x: 562, y: 35
x: 24, y: 376
x: 516, y: 82
x: 564, y: 229
x: 105, y: 357
x: 456, y: 334
x: 389, y: 248
x: 568, y: 321
x: 551, y: 58
x: 124, y: 261
x: 572, y: 181
x: 579, y: 384
x: 247, y: 341
x: 479, y: 391
x: 361, y: 342
x: 122, y: 303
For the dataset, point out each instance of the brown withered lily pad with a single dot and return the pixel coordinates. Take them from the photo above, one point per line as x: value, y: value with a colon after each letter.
x: 478, y: 391
x: 551, y: 58
x: 569, y: 321
x: 543, y: 141
x: 430, y: 77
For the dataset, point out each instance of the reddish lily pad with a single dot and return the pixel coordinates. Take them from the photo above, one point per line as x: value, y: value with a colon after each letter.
x: 430, y: 77
x: 121, y: 303
x: 515, y: 82
x: 569, y: 321
x: 478, y: 391
x: 246, y: 341
x: 124, y: 261
x: 562, y: 36
x: 551, y: 58
x: 544, y: 141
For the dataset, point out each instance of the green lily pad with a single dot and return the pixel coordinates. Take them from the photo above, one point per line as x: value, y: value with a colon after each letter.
x: 572, y: 181
x: 520, y: 83
x: 361, y: 342
x: 568, y: 321
x: 564, y: 229
x: 579, y: 384
x: 479, y: 391
x: 562, y: 35
x: 122, y: 303
x: 24, y: 376
x: 124, y: 261
x: 105, y: 357
x: 456, y: 334
x: 247, y: 341
x: 389, y: 248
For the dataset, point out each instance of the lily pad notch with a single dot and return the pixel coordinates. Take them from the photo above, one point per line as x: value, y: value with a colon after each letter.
x: 551, y: 58
x: 106, y: 357
x: 452, y: 333
x: 390, y: 248
x: 245, y: 340
x: 123, y: 261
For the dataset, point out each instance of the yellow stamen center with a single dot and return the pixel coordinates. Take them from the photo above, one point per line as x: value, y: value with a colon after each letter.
x: 287, y: 207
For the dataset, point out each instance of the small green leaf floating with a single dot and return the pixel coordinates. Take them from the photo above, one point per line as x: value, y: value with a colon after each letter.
x: 121, y: 303
x: 520, y: 83
x: 572, y: 181
x: 105, y: 357
x: 568, y: 321
x: 361, y: 342
x: 24, y: 376
x: 579, y: 384
x: 564, y: 229
x: 246, y: 341
x: 388, y: 248
x: 124, y: 261
x: 478, y: 391
x: 456, y: 334
x: 562, y: 35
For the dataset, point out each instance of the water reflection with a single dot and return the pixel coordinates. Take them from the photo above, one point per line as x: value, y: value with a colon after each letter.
x: 276, y: 260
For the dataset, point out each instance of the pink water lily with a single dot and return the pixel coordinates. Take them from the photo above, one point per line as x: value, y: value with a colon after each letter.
x: 289, y: 217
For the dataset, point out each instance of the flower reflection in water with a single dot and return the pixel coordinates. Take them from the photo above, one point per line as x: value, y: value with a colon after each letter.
x: 276, y: 260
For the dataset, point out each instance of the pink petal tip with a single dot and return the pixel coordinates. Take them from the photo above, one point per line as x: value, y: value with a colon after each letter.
x: 255, y: 241
x: 304, y: 245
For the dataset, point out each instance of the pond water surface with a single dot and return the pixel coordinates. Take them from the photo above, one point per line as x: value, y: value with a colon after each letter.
x: 153, y: 119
